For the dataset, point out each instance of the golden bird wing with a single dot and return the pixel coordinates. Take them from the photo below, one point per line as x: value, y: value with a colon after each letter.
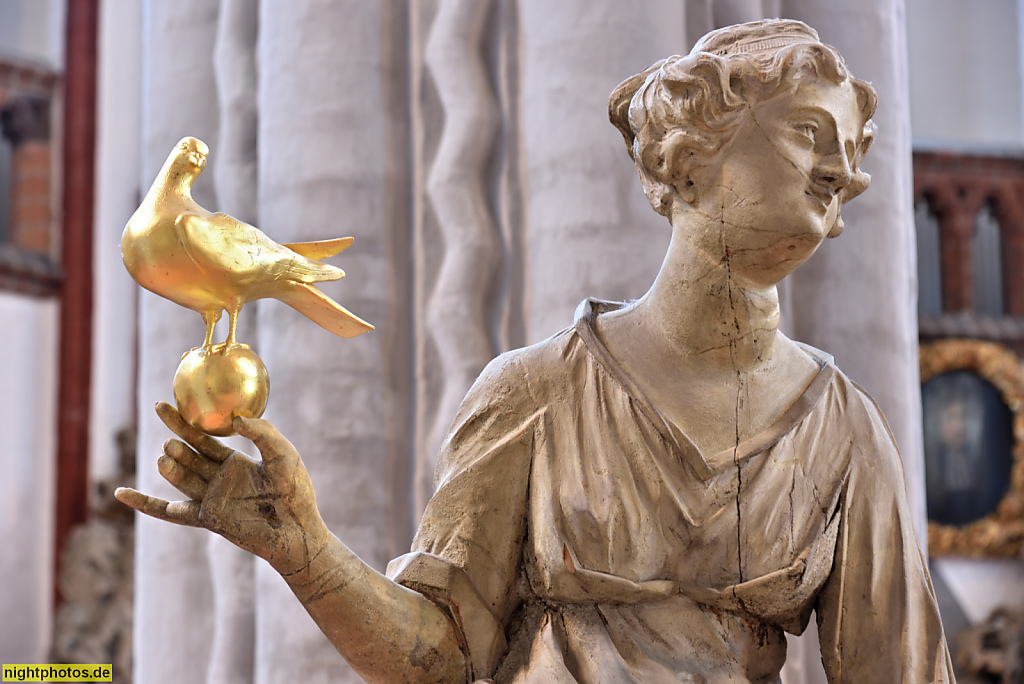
x: 221, y: 244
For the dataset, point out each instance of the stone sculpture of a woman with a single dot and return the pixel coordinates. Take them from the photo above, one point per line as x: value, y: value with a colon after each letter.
x: 659, y: 492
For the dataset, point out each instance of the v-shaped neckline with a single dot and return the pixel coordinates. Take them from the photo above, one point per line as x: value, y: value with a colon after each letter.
x: 705, y: 467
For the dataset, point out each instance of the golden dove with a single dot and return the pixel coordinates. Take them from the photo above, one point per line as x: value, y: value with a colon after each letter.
x: 211, y: 262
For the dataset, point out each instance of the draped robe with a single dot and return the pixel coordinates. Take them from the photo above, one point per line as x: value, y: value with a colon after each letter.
x: 576, y: 535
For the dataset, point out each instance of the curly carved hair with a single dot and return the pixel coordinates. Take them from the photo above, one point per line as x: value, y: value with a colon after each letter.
x: 692, y: 105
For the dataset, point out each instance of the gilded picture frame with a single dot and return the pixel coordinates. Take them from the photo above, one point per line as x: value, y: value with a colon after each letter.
x: 1000, y: 533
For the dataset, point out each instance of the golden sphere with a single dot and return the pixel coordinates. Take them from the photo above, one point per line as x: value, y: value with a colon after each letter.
x: 211, y: 387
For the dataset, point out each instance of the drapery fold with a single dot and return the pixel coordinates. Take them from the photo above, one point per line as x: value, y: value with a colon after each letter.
x: 561, y: 490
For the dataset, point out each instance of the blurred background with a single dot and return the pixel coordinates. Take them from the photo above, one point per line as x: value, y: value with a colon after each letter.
x: 465, y: 145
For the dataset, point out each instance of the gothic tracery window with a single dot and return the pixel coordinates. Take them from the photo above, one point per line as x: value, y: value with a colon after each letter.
x: 969, y: 214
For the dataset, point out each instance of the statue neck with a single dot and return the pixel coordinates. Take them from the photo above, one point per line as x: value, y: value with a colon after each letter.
x: 700, y: 308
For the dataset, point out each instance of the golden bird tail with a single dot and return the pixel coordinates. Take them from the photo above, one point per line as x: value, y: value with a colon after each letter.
x: 322, y: 310
x: 321, y: 249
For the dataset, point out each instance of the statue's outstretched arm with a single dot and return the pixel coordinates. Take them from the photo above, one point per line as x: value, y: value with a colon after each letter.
x: 386, y: 632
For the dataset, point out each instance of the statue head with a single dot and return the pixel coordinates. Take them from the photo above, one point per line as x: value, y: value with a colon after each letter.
x: 677, y: 115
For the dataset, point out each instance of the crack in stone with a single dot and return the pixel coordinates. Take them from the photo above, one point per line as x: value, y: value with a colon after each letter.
x: 307, y: 564
x: 774, y: 147
x: 739, y: 383
x: 717, y: 347
x: 792, y: 511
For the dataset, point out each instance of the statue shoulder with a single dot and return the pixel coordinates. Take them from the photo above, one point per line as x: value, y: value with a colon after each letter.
x: 873, y: 443
x: 532, y: 372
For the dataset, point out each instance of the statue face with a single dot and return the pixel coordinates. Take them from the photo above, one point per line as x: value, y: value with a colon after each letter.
x: 775, y: 185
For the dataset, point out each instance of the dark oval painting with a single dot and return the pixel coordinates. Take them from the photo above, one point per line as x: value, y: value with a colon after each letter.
x: 968, y: 446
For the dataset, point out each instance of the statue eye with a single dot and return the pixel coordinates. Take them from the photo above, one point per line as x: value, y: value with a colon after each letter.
x: 806, y: 129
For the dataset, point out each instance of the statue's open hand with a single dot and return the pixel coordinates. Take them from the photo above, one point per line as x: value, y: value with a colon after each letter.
x: 266, y: 507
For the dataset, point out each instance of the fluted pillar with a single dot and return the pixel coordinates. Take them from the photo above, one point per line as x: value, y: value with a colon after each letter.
x: 590, y: 229
x: 233, y: 165
x: 118, y: 180
x: 333, y: 162
x: 172, y: 595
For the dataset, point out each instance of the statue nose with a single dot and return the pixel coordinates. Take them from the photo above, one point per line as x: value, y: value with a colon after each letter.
x: 834, y: 171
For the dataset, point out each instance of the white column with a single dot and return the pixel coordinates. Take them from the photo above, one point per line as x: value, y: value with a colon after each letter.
x: 172, y: 586
x: 28, y: 428
x: 118, y: 136
x: 233, y: 165
x: 333, y: 162
x: 459, y: 246
x: 590, y: 229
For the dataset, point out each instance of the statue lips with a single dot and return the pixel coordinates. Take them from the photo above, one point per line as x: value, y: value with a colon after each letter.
x: 822, y: 195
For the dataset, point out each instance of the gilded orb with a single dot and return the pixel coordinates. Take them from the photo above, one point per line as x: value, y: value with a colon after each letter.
x: 213, y: 385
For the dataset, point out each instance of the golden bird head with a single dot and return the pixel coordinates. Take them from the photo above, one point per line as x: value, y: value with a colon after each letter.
x: 192, y: 153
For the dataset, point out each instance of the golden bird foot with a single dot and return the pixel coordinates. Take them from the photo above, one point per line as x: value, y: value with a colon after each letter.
x: 225, y: 348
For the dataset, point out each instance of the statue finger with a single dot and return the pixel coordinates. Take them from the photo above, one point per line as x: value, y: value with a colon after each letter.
x: 204, y: 444
x: 201, y: 465
x: 187, y: 482
x: 271, y: 443
x: 178, y: 512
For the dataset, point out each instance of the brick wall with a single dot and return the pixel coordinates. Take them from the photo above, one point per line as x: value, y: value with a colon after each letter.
x: 31, y: 218
x: 30, y: 246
